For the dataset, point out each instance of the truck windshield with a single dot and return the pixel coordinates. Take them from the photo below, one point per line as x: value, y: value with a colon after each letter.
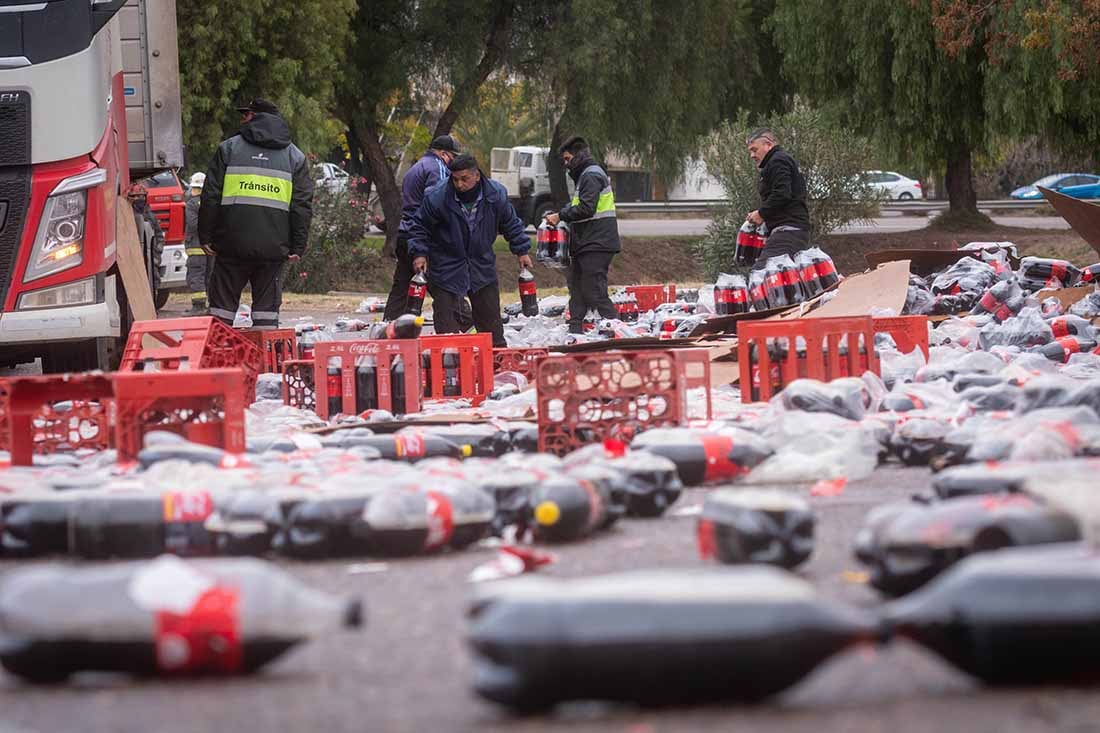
x: 36, y: 31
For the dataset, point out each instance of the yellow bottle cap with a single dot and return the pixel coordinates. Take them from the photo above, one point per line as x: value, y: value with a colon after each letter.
x: 419, y: 320
x: 547, y: 513
x: 467, y: 451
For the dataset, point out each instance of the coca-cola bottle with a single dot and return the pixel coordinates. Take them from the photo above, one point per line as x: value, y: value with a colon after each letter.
x: 35, y: 523
x: 1015, y: 617
x: 334, y: 385
x: 1061, y: 349
x: 452, y: 386
x: 426, y: 372
x: 245, y: 521
x: 566, y: 509
x: 751, y: 526
x: 406, y: 326
x: 528, y: 293
x: 775, y: 284
x: 730, y: 295
x: 750, y: 243
x: 409, y: 520
x: 322, y: 526
x: 165, y: 617
x: 366, y: 384
x: 1071, y: 325
x: 654, y: 637
x: 703, y: 457
x: 652, y: 483
x: 132, y: 525
x: 807, y: 274
x: 418, y: 289
x: 826, y: 270
x: 397, y: 386
x: 792, y: 283
x: 758, y: 293
x: 413, y: 446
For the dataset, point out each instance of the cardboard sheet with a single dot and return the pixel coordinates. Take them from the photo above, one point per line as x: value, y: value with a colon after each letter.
x: 131, y: 265
x: 1083, y: 216
x: 885, y: 287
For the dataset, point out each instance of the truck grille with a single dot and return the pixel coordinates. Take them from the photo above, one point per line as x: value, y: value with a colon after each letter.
x: 15, y: 128
x: 15, y: 192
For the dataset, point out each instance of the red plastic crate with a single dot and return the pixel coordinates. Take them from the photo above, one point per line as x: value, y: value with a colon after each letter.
x: 276, y: 344
x: 823, y: 361
x: 694, y: 368
x: 475, y: 365
x: 298, y: 387
x: 36, y: 425
x: 345, y: 353
x: 908, y: 332
x: 203, y: 405
x: 523, y: 361
x: 589, y: 397
x: 651, y: 296
x: 201, y: 343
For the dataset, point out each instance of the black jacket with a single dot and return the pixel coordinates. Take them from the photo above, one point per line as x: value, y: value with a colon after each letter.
x: 258, y: 198
x: 782, y: 191
x: 586, y: 233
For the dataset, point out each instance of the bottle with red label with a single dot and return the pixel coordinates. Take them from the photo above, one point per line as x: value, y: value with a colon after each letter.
x: 731, y: 295
x: 452, y: 385
x: 33, y: 524
x: 397, y: 386
x: 775, y: 284
x: 418, y: 289
x: 738, y: 527
x: 414, y: 445
x: 409, y: 520
x: 827, y: 274
x: 320, y: 526
x: 792, y: 282
x: 705, y: 457
x: 1061, y: 349
x: 750, y: 243
x: 758, y: 293
x: 528, y: 293
x: 651, y: 482
x: 566, y: 509
x: 407, y: 326
x: 334, y: 384
x: 366, y: 384
x: 141, y: 525
x: 552, y: 245
x: 1071, y: 325
x: 166, y: 617
x: 807, y: 274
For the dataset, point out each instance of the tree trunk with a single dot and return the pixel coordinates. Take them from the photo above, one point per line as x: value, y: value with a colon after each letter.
x: 496, y: 47
x: 559, y: 188
x: 960, y: 180
x: 355, y: 157
x: 379, y: 171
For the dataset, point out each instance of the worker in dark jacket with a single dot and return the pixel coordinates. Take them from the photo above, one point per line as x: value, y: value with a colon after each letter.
x: 594, y: 234
x: 198, y: 260
x: 782, y: 189
x: 451, y: 238
x: 429, y: 171
x: 256, y: 207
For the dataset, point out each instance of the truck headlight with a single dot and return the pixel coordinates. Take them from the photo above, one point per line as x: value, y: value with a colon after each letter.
x: 81, y: 292
x: 59, y: 243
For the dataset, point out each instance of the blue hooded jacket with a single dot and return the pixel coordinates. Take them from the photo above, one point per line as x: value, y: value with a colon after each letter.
x: 460, y: 255
x: 429, y: 171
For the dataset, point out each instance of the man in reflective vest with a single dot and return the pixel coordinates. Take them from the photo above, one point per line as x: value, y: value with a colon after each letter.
x: 256, y: 207
x: 198, y: 265
x: 594, y: 234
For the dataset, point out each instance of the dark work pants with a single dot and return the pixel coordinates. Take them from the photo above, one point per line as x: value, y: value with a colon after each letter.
x: 587, y: 280
x: 485, y: 304
x: 198, y: 272
x: 397, y: 300
x: 786, y: 242
x: 227, y: 282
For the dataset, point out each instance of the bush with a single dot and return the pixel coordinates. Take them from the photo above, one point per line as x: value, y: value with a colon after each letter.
x: 337, y: 254
x: 830, y: 157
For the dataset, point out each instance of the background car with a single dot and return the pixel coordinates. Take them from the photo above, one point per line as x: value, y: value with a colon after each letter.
x: 1056, y: 182
x: 1086, y: 191
x: 166, y: 199
x: 331, y: 177
x: 894, y: 186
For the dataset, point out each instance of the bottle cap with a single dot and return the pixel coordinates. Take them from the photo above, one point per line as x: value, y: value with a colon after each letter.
x: 547, y: 513
x: 419, y: 321
x: 467, y: 451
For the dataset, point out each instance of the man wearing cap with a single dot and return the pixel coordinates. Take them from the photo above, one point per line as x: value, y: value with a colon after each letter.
x: 198, y: 261
x: 429, y: 171
x: 451, y: 237
x: 257, y: 203
x: 594, y: 234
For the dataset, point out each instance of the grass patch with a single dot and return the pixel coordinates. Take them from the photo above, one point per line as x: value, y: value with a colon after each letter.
x: 962, y: 221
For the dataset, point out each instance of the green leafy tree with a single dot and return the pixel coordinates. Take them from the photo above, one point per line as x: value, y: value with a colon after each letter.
x: 830, y: 157
x: 286, y: 52
x: 501, y: 119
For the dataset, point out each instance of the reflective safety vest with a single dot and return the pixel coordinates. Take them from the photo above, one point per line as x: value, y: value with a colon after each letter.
x: 605, y: 207
x: 256, y: 176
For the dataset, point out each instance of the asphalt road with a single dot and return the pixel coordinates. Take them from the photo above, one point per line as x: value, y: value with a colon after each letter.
x: 892, y: 223
x: 409, y: 669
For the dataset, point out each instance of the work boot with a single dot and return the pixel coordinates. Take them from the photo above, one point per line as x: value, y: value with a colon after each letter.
x: 198, y: 308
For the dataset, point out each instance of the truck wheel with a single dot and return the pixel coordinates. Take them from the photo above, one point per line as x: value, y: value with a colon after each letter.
x: 541, y: 210
x: 162, y: 298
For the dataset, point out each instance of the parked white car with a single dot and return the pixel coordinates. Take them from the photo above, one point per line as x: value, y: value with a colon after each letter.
x: 331, y: 177
x: 894, y: 186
